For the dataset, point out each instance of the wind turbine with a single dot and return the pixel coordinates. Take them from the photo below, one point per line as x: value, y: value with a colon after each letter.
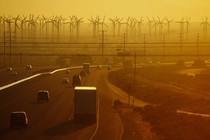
x: 181, y: 23
x: 58, y: 24
x: 127, y: 24
x: 40, y: 24
x: 149, y: 23
x: 205, y: 25
x: 32, y: 26
x: 94, y: 22
x: 187, y: 21
x: 78, y: 21
x: 119, y: 26
x: 45, y: 24
x: 155, y: 26
x: 16, y: 25
x: 139, y: 25
x: 168, y: 22
x: 160, y: 23
x: 22, y: 22
x: 114, y: 24
x: 102, y: 23
x: 132, y: 25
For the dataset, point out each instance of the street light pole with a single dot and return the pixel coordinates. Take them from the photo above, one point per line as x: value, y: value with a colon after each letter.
x: 134, y: 75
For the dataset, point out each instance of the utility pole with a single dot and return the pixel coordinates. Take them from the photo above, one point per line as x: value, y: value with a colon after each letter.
x: 10, y: 46
x: 4, y: 47
x: 134, y: 76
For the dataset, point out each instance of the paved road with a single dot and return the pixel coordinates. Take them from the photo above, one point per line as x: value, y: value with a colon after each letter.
x: 54, y: 120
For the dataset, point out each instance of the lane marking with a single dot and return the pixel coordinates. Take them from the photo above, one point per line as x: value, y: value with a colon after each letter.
x: 97, y: 124
x: 36, y: 75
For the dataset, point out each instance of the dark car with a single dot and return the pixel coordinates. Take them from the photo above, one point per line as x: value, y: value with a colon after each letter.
x: 18, y: 119
x: 76, y: 80
x: 98, y: 67
x: 29, y: 67
x: 68, y: 71
x: 83, y: 73
x: 43, y: 95
x: 65, y: 81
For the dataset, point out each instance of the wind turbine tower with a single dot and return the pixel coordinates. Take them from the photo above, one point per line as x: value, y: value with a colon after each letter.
x: 94, y: 23
x: 187, y: 21
x: 139, y: 25
x: 160, y: 23
x: 205, y: 25
x: 181, y: 23
x: 168, y: 22
x: 114, y: 24
x: 78, y: 22
x: 149, y: 23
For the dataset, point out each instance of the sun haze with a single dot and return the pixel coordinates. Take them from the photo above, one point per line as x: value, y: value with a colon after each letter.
x: 122, y: 8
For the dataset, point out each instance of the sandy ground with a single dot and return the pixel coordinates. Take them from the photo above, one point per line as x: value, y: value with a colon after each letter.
x: 134, y: 127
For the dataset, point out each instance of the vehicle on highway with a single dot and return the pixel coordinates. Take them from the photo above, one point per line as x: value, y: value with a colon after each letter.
x: 68, y: 71
x: 85, y: 104
x: 29, y: 67
x: 9, y: 69
x: 109, y: 67
x: 14, y: 73
x: 76, y: 80
x: 98, y: 67
x: 83, y: 73
x: 18, y: 119
x: 43, y: 95
x: 65, y: 81
x: 86, y: 67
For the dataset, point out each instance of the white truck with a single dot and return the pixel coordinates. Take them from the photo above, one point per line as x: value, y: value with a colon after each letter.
x: 86, y: 67
x: 85, y: 104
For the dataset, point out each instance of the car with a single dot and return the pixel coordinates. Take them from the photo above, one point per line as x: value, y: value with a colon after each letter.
x: 83, y: 73
x: 65, y: 81
x: 98, y: 67
x: 29, y: 67
x: 76, y: 80
x: 18, y: 119
x: 68, y: 71
x: 109, y: 67
x: 9, y: 69
x: 14, y: 73
x: 43, y: 95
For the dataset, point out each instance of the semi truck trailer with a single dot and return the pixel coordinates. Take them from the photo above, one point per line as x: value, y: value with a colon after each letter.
x: 85, y: 104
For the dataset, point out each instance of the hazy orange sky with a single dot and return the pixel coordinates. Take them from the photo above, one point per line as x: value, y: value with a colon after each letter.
x: 111, y: 8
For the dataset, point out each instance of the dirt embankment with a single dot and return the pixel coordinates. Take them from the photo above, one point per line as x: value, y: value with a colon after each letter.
x: 168, y: 91
x: 162, y: 86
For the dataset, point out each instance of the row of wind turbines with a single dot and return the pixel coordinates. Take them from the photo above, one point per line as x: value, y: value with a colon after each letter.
x: 32, y: 26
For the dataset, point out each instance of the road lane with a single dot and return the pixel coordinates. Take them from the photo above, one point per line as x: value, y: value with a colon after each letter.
x: 41, y: 116
x: 54, y: 120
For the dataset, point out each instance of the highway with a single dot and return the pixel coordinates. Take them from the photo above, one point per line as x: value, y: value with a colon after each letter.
x: 54, y: 120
